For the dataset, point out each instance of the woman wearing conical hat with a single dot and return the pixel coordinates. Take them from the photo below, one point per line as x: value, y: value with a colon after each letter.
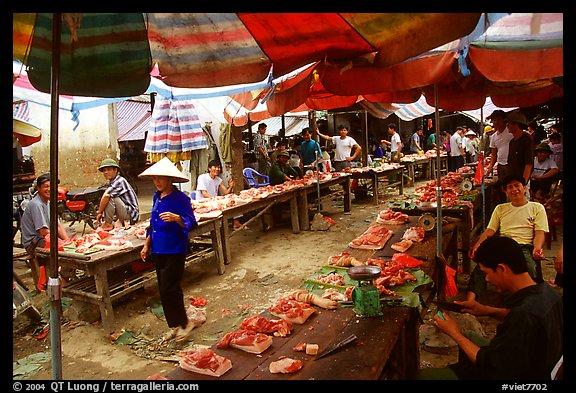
x: 166, y: 245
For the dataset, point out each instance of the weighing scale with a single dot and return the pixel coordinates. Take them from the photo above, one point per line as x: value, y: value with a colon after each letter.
x: 427, y: 221
x: 365, y: 296
x: 466, y: 185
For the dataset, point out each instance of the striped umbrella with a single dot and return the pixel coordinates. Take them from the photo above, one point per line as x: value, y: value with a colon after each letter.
x: 112, y: 54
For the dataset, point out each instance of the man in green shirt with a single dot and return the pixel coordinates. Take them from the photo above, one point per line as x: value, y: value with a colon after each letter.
x: 281, y: 171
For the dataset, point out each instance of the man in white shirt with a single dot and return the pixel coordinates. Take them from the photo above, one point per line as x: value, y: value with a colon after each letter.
x: 395, y: 143
x: 457, y: 152
x: 344, y: 145
x: 210, y: 185
x: 499, y: 142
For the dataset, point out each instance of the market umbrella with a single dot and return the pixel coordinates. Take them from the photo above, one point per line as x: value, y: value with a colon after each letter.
x: 26, y: 133
x: 112, y: 54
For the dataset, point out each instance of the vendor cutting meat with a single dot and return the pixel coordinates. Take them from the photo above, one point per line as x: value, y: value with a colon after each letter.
x: 281, y: 171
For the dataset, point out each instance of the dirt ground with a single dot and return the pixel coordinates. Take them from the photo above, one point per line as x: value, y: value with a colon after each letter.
x: 265, y: 265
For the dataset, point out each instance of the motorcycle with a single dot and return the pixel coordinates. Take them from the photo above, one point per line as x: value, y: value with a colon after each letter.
x: 80, y: 205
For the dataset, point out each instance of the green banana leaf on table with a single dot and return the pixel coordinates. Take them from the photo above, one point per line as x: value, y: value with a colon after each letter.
x: 409, y: 298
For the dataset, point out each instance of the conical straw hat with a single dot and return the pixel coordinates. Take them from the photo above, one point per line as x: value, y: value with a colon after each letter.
x: 165, y: 167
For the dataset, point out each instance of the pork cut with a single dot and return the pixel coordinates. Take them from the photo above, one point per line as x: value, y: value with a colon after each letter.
x: 246, y: 340
x: 402, y: 245
x: 291, y: 310
x: 204, y: 361
x: 285, y: 366
x: 374, y: 238
x: 279, y: 327
x: 390, y: 217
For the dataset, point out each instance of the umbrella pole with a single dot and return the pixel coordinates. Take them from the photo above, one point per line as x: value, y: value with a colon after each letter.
x: 438, y: 176
x: 54, y: 288
x: 318, y: 178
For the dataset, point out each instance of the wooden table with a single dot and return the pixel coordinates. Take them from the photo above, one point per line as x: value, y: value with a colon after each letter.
x: 20, y: 254
x: 312, y: 190
x: 384, y: 349
x: 470, y: 222
x: 434, y: 171
x: 425, y: 251
x: 411, y: 167
x: 376, y: 175
x: 104, y: 283
x: 261, y: 205
x: 387, y: 346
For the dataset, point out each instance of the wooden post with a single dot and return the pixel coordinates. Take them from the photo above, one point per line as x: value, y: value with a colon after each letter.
x: 364, y: 141
x: 238, y: 159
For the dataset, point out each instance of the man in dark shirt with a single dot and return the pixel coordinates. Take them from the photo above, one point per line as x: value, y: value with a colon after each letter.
x: 529, y: 341
x: 521, y: 147
x: 281, y: 171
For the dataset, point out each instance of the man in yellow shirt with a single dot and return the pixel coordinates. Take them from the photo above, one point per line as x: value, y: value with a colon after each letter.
x: 522, y: 220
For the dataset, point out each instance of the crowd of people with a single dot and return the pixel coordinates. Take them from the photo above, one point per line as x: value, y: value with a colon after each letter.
x: 507, y: 254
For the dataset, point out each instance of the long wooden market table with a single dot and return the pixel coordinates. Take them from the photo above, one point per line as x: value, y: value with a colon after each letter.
x: 296, y: 197
x: 471, y: 220
x: 412, y: 163
x: 387, y: 346
x: 261, y: 205
x: 305, y: 193
x: 104, y: 282
x: 375, y: 174
x: 434, y: 170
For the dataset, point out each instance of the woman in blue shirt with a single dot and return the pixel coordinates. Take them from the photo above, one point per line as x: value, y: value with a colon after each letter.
x: 166, y: 242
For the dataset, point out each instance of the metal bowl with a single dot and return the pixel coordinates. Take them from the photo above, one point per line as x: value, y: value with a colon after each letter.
x: 361, y: 273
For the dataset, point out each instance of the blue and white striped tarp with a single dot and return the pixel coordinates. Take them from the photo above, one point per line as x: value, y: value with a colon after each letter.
x: 21, y: 111
x: 415, y: 110
x: 175, y: 127
x: 133, y: 119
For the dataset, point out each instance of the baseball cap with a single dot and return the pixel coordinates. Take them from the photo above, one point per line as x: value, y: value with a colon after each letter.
x: 43, y: 179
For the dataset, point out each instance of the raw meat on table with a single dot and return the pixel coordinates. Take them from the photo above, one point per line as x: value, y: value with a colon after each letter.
x: 204, y: 361
x: 246, y: 340
x: 291, y: 310
x: 374, y: 238
x: 285, y: 366
x: 257, y: 323
x: 391, y: 217
x: 402, y: 245
x: 415, y: 234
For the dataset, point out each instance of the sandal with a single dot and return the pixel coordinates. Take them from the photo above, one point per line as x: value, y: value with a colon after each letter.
x: 184, y: 333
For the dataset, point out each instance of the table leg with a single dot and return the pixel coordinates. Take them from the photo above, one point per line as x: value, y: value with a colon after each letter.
x: 226, y: 236
x: 466, y: 229
x: 224, y: 239
x: 294, y: 214
x: 102, y: 290
x: 217, y: 245
x: 304, y: 221
x: 375, y: 187
x: 347, y: 200
x: 401, y: 188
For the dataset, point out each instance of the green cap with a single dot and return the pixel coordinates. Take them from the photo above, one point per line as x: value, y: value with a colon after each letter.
x: 108, y: 162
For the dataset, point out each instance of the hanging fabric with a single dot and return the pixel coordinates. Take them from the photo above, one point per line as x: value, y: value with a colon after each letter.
x: 174, y: 131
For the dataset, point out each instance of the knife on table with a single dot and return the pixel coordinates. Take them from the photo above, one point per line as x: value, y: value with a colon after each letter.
x: 337, y: 346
